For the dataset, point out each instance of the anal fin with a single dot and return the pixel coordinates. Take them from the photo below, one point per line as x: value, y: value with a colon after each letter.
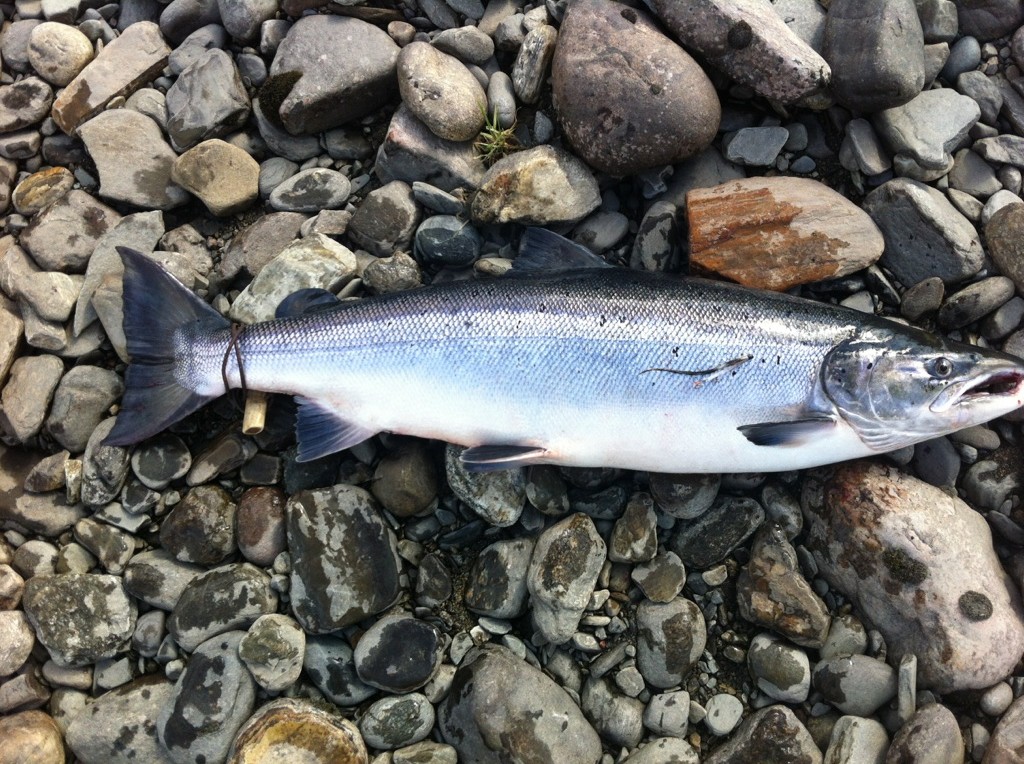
x: 488, y: 458
x: 321, y: 431
x: 795, y: 432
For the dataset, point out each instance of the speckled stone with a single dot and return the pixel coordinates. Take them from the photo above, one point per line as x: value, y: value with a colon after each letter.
x: 292, y: 729
x: 399, y: 653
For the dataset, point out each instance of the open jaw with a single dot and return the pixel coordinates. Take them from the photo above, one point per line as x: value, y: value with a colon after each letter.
x: 997, y: 391
x: 995, y: 385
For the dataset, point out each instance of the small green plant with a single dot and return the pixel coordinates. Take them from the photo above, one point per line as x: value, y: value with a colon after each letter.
x: 494, y: 141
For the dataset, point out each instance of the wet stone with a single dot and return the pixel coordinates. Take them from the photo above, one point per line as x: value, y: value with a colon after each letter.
x: 272, y: 649
x: 444, y: 240
x: 161, y: 460
x: 229, y: 597
x: 668, y: 713
x: 769, y: 734
x: 211, y: 700
x: 846, y: 636
x: 80, y: 618
x: 781, y: 670
x: 260, y: 524
x: 662, y: 578
x: 397, y: 721
x: 311, y: 190
x: 434, y: 583
x: 419, y: 644
x: 855, y: 684
x: 495, y: 695
x: 497, y: 496
x: 538, y: 186
x: 24, y: 103
x: 562, y: 574
x: 635, y: 535
x: 855, y: 739
x: 932, y: 734
x: 616, y: 717
x: 496, y: 586
x: 329, y: 662
x: 111, y: 546
x: 386, y: 219
x: 289, y: 728
x: 201, y: 528
x: 345, y: 562
x: 684, y: 496
x: 711, y: 537
x: 128, y: 711
x: 158, y: 579
x: 670, y: 639
x: 772, y: 592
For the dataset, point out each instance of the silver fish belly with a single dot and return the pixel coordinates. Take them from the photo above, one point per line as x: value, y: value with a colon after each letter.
x: 601, y: 367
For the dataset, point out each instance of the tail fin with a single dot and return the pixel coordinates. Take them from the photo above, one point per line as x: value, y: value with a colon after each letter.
x: 155, y: 305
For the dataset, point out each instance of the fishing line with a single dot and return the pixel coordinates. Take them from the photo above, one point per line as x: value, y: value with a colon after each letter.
x: 233, y: 344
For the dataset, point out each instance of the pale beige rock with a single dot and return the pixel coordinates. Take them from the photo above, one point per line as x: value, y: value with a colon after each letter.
x: 539, y: 186
x: 296, y: 730
x: 920, y: 567
x: 223, y: 176
x: 777, y: 233
x: 1007, y: 743
x: 440, y: 90
x: 126, y: 64
x: 30, y: 737
x: 58, y: 52
x: 11, y: 328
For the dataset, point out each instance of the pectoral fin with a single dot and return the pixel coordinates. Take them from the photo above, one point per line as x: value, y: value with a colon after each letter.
x: 321, y: 431
x: 796, y: 432
x: 487, y: 458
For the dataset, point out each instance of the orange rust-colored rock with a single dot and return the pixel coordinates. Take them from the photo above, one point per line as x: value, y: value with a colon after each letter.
x: 777, y: 233
x: 296, y: 730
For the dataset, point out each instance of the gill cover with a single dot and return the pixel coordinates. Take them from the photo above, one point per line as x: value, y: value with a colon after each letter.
x: 881, y: 383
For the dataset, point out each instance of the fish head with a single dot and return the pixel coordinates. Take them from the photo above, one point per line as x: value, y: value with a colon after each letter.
x: 898, y: 385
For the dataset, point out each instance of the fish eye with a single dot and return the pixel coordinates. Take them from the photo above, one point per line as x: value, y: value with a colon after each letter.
x: 942, y: 367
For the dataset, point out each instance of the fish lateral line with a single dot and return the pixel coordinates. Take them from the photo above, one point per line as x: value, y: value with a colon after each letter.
x: 711, y: 374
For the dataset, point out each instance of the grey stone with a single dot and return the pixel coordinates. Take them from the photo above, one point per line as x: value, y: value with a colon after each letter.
x: 1002, y: 148
x: 635, y: 534
x: 316, y: 261
x: 260, y: 243
x: 26, y: 396
x: 973, y: 175
x: 538, y: 186
x: 222, y: 599
x: 195, y: 46
x: 494, y: 695
x: 616, y: 717
x: 686, y: 497
x: 529, y: 72
x: 924, y: 234
x: 932, y: 734
x: 312, y: 190
x: 242, y: 18
x: 723, y: 713
x: 392, y: 274
x: 444, y: 240
x: 661, y: 579
x: 806, y: 18
x: 180, y: 18
x: 876, y: 51
x: 857, y: 740
x: 160, y: 460
x: 976, y: 301
x: 343, y: 583
x: 769, y: 734
x: 966, y: 634
x: 201, y: 528
x: 212, y: 698
x: 938, y: 20
x: 1004, y: 234
x: 996, y: 202
x: 665, y: 749
x: 223, y: 176
x: 964, y: 56
x: 916, y: 133
x: 16, y: 641
x: 98, y: 732
x: 14, y: 45
x: 985, y: 93
x: 497, y: 496
x: 410, y: 152
x: 79, y: 403
x: 207, y: 100
x: 989, y: 19
x: 441, y: 92
x: 756, y: 146
x: 273, y: 172
x: 273, y: 649
x: 397, y: 721
x: 468, y: 44
x: 420, y: 645
x: 781, y: 671
x: 336, y: 84
x: 668, y: 713
x: 294, y: 147
x: 616, y: 126
x: 386, y: 220
x: 80, y: 618
x: 753, y: 45
x: 124, y: 65
x: 24, y: 103
x: 709, y: 539
x: 133, y: 159
x: 562, y: 574
x: 111, y: 546
x: 496, y: 585
x: 330, y: 665
x: 670, y: 639
x: 601, y: 231
x: 62, y: 237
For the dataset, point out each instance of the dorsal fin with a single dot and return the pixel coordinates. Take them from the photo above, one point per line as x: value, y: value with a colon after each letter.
x: 545, y: 252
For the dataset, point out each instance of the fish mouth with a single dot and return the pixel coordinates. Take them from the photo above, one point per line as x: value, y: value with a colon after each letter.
x: 985, y: 387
